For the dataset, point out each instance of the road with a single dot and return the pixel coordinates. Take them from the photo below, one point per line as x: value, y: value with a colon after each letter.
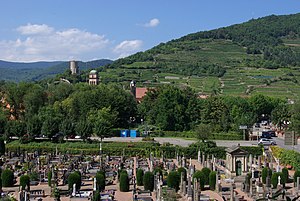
x: 187, y: 142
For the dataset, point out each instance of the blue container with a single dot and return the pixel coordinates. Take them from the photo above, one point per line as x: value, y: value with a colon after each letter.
x: 133, y: 133
x: 124, y: 133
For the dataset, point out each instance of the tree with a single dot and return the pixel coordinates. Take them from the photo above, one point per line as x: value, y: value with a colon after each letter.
x: 7, y: 177
x: 285, y: 175
x: 206, y: 171
x: 139, y: 177
x: 2, y: 146
x: 67, y: 127
x: 25, y: 182
x: 173, y: 180
x: 274, y: 179
x: 203, y: 131
x: 3, y: 120
x: 295, y: 119
x: 83, y: 128
x: 296, y: 174
x: 148, y: 181
x: 100, y: 180
x: 33, y: 125
x: 212, y: 180
x: 49, y: 177
x: 124, y: 182
x: 180, y: 170
x: 74, y: 178
x: 199, y: 175
x: 264, y: 173
x: 102, y: 121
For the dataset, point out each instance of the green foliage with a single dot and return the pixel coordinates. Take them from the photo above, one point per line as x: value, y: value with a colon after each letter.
x: 7, y: 177
x: 139, y: 177
x: 100, y: 181
x: 274, y: 179
x: 34, y: 176
x: 124, y: 182
x: 212, y: 180
x: 264, y: 173
x: 96, y: 196
x: 206, y: 171
x: 285, y: 175
x: 148, y: 181
x: 49, y: 177
x: 296, y: 174
x: 199, y: 175
x: 74, y: 178
x: 182, y: 170
x: 173, y: 180
x: 25, y: 182
x: 2, y: 146
x: 157, y: 170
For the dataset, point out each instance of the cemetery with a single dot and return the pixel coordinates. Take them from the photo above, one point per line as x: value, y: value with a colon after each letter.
x: 158, y: 173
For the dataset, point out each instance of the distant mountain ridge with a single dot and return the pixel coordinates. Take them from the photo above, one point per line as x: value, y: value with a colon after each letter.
x: 34, y: 71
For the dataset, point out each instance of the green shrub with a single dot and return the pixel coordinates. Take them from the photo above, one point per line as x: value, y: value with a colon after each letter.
x: 25, y: 181
x: 2, y: 146
x: 173, y: 180
x: 156, y: 170
x: 124, y: 182
x: 212, y: 180
x: 180, y: 170
x: 148, y: 181
x: 274, y: 179
x: 206, y: 171
x: 100, y: 180
x: 7, y: 177
x: 296, y: 174
x: 49, y: 178
x: 285, y: 175
x: 34, y: 176
x: 96, y: 196
x: 74, y: 178
x: 264, y: 173
x: 199, y: 175
x: 139, y: 177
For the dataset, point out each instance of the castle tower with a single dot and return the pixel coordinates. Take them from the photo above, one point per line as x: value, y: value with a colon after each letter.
x: 133, y: 88
x: 74, y: 67
x: 93, y: 78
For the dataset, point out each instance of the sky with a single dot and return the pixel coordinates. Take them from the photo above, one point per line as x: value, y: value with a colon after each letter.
x: 62, y: 30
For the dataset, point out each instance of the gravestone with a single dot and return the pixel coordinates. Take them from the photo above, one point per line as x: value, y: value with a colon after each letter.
x: 189, y: 191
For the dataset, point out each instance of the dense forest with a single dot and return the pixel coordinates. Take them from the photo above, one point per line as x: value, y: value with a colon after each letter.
x: 85, y: 110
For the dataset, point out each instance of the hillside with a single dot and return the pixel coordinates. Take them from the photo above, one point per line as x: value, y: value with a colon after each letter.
x: 258, y: 56
x: 34, y: 71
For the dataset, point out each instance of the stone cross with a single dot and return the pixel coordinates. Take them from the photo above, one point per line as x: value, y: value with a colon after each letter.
x: 217, y: 183
x: 95, y: 184
x: 181, y: 182
x: 196, y: 190
x: 231, y: 193
x: 259, y: 162
x: 183, y: 161
x: 190, y: 192
x: 203, y: 160
x: 199, y: 156
x: 279, y: 180
x: 74, y: 190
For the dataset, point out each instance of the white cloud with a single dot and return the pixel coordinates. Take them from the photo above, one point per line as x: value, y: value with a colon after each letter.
x: 128, y: 47
x: 152, y: 23
x: 41, y: 42
x: 32, y: 29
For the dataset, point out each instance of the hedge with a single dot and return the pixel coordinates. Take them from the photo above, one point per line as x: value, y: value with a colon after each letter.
x: 274, y: 179
x: 74, y: 178
x: 7, y: 177
x: 173, y: 180
x: 25, y: 181
x: 206, y: 171
x: 148, y: 181
x: 213, y: 136
x: 124, y: 182
x: 139, y: 177
x: 287, y: 157
x: 49, y: 176
x: 212, y: 180
x: 264, y: 174
x: 199, y: 175
x: 100, y: 180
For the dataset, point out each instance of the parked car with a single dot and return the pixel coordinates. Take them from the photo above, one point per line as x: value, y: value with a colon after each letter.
x: 265, y: 141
